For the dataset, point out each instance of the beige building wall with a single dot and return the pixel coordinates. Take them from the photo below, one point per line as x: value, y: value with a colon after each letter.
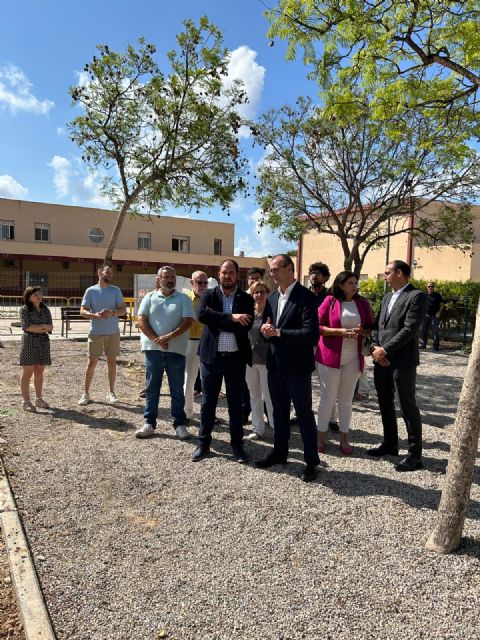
x: 440, y: 263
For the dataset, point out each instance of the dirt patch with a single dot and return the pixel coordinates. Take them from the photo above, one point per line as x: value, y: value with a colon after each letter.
x: 11, y: 627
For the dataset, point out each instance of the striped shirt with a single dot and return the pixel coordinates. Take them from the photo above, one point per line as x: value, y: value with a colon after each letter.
x: 226, y: 339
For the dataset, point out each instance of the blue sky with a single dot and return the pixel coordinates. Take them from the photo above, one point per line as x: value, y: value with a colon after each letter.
x: 44, y: 44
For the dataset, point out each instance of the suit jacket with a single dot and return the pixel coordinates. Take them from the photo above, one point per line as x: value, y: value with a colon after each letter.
x: 210, y: 313
x: 292, y: 352
x: 398, y: 332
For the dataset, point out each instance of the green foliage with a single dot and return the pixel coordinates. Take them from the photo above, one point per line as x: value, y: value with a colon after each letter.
x: 162, y: 139
x: 419, y: 55
x: 355, y: 179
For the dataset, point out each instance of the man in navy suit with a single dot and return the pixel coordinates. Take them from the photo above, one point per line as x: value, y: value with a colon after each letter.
x: 394, y: 348
x: 291, y: 328
x: 227, y: 313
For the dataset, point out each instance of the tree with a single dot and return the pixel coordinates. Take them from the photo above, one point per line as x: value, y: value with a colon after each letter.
x: 162, y: 139
x: 447, y: 532
x: 406, y: 55
x: 357, y: 182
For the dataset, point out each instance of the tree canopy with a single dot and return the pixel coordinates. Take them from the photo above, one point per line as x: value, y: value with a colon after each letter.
x: 405, y: 55
x: 350, y: 180
x: 162, y: 139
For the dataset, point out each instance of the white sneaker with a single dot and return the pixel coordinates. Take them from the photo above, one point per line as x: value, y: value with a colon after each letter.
x: 255, y: 436
x: 182, y: 432
x: 145, y: 432
x: 112, y: 398
x: 85, y: 399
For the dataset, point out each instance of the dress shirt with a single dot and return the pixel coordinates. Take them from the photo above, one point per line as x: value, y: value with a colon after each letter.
x: 394, y: 298
x: 226, y: 339
x: 282, y: 299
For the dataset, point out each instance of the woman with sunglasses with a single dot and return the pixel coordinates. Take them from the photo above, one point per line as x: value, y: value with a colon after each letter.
x: 36, y: 321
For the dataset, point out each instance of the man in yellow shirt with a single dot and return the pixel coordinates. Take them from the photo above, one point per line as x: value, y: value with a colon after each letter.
x: 199, y: 281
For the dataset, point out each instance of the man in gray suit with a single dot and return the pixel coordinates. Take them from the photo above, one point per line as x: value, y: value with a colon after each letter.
x: 394, y: 349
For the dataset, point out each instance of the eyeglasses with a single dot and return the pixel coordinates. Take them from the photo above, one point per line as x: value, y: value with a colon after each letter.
x: 260, y: 293
x: 430, y: 286
x: 201, y: 281
x: 276, y: 269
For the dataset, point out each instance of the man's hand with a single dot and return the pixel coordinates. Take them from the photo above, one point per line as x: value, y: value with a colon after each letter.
x: 268, y: 330
x: 380, y: 357
x: 162, y: 341
x: 241, y: 318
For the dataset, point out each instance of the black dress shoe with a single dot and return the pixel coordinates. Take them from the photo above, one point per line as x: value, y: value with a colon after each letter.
x: 200, y: 453
x: 310, y: 472
x: 382, y: 450
x: 294, y: 420
x: 333, y: 426
x: 409, y: 464
x: 269, y: 461
x: 239, y: 455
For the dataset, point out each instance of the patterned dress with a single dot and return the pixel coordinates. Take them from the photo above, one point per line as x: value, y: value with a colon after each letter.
x: 35, y: 347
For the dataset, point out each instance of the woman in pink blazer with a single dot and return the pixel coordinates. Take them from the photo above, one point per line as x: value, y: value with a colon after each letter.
x: 344, y: 318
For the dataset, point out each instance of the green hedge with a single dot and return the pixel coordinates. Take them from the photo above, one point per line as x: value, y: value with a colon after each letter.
x: 453, y: 293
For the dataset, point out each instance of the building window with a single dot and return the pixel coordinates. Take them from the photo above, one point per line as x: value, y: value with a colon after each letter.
x: 42, y: 232
x: 7, y: 230
x: 144, y: 240
x: 217, y: 247
x: 96, y: 235
x: 363, y: 276
x: 181, y: 243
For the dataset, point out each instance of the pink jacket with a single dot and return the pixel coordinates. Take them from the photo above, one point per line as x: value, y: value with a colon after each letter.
x: 329, y: 348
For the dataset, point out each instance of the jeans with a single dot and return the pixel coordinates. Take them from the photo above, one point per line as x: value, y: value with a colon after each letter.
x: 156, y: 362
x: 433, y: 322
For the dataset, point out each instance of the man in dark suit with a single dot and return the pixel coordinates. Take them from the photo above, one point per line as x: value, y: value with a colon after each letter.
x: 394, y: 349
x: 224, y: 351
x: 291, y: 328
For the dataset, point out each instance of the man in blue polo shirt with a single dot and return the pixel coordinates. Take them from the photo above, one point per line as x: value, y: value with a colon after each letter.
x: 102, y: 304
x: 164, y: 318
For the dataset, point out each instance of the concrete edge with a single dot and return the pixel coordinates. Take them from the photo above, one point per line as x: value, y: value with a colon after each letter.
x: 31, y: 604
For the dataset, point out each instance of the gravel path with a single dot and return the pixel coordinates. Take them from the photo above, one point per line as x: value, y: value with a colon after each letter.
x: 133, y: 541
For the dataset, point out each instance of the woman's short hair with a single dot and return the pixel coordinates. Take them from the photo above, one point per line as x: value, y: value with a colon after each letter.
x: 341, y: 278
x: 257, y: 285
x: 27, y: 294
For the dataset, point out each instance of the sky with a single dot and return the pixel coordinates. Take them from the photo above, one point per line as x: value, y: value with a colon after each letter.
x: 44, y: 45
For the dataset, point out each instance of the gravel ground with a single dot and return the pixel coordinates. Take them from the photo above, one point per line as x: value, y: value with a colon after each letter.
x: 132, y: 540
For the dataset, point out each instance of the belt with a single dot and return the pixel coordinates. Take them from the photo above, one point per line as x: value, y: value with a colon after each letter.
x: 194, y: 338
x: 226, y: 354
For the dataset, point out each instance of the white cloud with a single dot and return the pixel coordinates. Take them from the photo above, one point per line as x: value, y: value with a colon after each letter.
x: 74, y: 183
x: 16, y: 95
x: 10, y: 188
x: 262, y: 241
x: 243, y: 66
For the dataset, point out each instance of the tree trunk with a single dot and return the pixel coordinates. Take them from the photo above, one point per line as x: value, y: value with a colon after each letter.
x: 447, y: 532
x: 112, y: 243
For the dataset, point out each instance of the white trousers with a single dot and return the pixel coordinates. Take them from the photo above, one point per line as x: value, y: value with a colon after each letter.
x: 337, y: 385
x: 363, y: 384
x: 257, y: 383
x: 192, y: 365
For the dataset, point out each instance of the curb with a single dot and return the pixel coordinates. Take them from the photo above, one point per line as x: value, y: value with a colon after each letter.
x: 33, y: 611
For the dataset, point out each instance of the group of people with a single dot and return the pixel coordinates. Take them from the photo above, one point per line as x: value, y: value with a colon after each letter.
x: 266, y: 343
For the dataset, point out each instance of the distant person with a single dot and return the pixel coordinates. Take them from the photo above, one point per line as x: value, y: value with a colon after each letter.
x: 344, y: 318
x: 254, y: 275
x: 432, y: 319
x: 199, y: 282
x: 318, y: 276
x: 102, y: 304
x: 164, y: 318
x: 36, y: 321
x: 291, y: 328
x: 394, y: 348
x: 227, y: 313
x: 257, y: 374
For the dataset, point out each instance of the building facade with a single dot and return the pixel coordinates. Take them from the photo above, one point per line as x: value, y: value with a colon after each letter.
x: 61, y: 247
x: 440, y: 263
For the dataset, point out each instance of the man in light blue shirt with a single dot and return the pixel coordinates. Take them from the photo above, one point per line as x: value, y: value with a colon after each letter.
x: 164, y: 318
x: 102, y: 304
